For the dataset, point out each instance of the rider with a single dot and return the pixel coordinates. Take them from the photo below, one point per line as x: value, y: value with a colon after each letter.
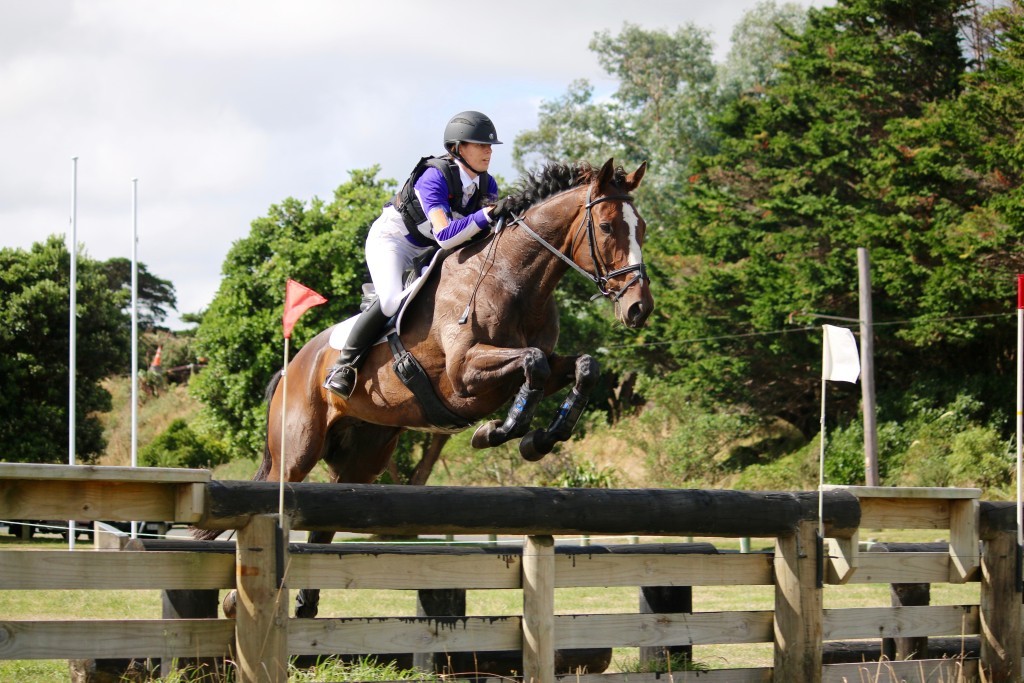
x: 446, y: 201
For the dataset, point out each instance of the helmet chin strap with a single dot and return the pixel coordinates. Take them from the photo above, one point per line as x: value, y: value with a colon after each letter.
x: 455, y: 153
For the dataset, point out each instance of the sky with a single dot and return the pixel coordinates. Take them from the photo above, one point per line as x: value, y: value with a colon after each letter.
x: 221, y: 108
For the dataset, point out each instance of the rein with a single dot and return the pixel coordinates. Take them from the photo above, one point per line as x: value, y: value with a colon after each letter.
x: 599, y: 280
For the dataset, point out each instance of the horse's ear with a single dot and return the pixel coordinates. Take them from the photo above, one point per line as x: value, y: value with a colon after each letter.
x: 634, y: 178
x: 606, y: 174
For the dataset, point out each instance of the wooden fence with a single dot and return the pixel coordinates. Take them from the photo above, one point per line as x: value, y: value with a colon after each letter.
x: 982, y: 548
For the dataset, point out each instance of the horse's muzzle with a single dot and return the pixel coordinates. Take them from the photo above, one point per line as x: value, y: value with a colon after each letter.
x: 636, y: 314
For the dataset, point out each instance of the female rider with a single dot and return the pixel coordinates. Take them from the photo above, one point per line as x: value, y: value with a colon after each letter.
x: 446, y: 201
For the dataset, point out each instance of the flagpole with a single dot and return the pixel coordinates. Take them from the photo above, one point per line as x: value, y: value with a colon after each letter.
x: 73, y: 306
x: 283, y: 465
x: 821, y: 464
x: 135, y: 335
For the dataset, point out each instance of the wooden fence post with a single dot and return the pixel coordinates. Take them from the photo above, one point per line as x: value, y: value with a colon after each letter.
x: 261, y: 624
x: 1000, y: 609
x: 798, y: 606
x: 539, y: 609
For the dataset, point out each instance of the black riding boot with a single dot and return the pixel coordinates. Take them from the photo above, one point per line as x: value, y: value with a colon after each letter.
x: 341, y: 379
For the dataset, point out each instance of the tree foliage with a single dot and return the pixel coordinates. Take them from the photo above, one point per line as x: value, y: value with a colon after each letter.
x: 875, y: 137
x: 319, y: 244
x: 34, y: 355
x: 155, y: 295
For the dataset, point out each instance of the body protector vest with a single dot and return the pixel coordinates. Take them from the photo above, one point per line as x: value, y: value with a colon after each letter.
x: 408, y: 205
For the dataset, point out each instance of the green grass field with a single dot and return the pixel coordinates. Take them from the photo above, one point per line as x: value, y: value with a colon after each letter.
x: 67, y: 604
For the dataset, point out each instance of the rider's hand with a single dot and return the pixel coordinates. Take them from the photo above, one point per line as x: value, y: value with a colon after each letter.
x: 499, y: 210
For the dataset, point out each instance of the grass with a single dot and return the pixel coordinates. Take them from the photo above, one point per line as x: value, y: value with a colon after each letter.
x: 64, y: 604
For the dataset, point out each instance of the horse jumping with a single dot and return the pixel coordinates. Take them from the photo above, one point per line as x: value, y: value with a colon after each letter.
x: 484, y: 328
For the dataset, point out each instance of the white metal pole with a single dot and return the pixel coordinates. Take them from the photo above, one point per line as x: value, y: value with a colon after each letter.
x: 72, y: 324
x: 1020, y: 406
x: 135, y: 334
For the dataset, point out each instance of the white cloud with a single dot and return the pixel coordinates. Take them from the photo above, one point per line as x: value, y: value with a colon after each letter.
x: 223, y: 108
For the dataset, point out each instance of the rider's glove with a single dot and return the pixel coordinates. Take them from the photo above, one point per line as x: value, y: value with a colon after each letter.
x: 500, y: 210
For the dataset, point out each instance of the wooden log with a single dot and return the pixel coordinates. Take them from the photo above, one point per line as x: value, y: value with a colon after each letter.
x: 411, y: 510
x: 190, y: 604
x: 995, y: 517
x: 1000, y: 609
x: 444, y: 602
x: 798, y: 607
x: 539, y: 609
x: 261, y: 626
x: 907, y: 595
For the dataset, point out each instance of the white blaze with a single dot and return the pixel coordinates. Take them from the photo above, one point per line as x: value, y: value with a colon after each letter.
x: 632, y: 220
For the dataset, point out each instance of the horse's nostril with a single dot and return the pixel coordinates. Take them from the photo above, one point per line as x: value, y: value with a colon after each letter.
x: 636, y: 313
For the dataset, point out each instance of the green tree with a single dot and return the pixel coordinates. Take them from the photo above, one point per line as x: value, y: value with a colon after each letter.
x: 34, y: 332
x: 318, y: 244
x: 805, y: 174
x: 761, y: 45
x: 155, y: 295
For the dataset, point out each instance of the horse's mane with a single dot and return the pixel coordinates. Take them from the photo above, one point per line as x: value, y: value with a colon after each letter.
x: 552, y: 179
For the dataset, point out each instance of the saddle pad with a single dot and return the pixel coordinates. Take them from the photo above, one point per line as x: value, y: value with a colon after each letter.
x: 340, y: 332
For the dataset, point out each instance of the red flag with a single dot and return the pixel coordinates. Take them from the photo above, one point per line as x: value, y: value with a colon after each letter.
x: 298, y: 299
x: 1020, y: 291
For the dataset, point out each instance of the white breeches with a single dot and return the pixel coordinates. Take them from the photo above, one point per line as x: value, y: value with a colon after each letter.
x: 388, y: 254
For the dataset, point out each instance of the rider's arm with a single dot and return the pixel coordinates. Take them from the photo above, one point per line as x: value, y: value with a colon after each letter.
x: 432, y: 192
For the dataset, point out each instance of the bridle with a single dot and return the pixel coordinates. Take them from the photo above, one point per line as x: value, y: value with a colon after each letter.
x: 598, y: 277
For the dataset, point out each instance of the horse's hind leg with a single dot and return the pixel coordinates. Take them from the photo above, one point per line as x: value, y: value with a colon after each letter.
x: 356, y: 454
x: 307, y: 600
x: 539, y: 442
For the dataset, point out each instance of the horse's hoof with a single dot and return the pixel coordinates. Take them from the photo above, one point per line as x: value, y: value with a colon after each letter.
x: 230, y: 604
x: 533, y: 446
x: 482, y: 435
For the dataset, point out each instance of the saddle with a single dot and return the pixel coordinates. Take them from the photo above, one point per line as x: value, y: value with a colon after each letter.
x: 406, y: 367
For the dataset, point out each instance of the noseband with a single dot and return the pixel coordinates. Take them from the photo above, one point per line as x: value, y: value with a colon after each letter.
x: 597, y: 277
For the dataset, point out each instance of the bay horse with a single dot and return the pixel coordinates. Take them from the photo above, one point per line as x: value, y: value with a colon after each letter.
x: 484, y: 328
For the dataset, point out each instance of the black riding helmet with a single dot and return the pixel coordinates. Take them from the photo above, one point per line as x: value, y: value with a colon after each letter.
x: 469, y: 126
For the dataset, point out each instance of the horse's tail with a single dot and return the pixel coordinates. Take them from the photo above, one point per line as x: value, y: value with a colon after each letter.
x: 261, y: 473
x: 268, y: 461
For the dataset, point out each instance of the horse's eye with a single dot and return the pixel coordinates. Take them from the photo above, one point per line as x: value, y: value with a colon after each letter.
x: 606, y: 228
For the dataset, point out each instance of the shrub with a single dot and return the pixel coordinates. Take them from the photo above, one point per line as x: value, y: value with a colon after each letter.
x: 179, y: 446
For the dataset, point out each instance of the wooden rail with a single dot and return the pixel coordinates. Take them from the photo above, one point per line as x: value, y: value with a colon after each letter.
x: 263, y: 567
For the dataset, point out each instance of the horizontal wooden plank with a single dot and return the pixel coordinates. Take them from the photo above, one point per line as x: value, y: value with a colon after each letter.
x: 166, y: 475
x: 390, y: 635
x: 114, y: 570
x: 763, y: 675
x: 502, y: 571
x: 900, y: 622
x: 403, y: 572
x: 910, y: 513
x: 934, y: 671
x: 92, y: 501
x: 663, y: 570
x: 109, y: 639
x: 902, y: 568
x: 651, y: 630
x: 944, y: 492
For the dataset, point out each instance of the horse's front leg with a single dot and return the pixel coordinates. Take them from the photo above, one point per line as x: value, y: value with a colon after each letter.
x: 539, y: 442
x: 485, y: 365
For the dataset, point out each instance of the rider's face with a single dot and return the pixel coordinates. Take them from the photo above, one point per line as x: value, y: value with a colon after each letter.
x: 476, y: 155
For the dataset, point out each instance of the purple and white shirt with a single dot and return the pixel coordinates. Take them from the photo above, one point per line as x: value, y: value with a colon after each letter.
x: 432, y: 192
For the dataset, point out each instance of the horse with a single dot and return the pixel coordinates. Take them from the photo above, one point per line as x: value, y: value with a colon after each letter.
x: 565, y: 216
